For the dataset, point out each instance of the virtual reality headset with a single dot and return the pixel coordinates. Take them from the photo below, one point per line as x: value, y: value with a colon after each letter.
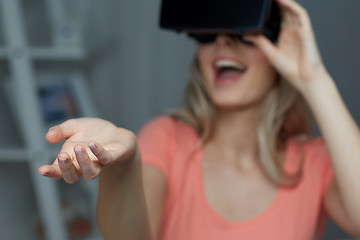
x: 203, y: 17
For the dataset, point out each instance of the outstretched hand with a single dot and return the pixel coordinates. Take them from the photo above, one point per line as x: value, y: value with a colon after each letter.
x: 296, y: 56
x: 81, y: 156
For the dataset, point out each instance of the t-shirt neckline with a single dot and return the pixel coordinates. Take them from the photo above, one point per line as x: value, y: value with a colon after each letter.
x: 220, y: 219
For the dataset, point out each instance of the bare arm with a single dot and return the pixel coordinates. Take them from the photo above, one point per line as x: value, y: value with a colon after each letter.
x: 121, y: 206
x: 297, y: 59
x: 342, y: 137
x: 115, y: 157
x: 155, y: 192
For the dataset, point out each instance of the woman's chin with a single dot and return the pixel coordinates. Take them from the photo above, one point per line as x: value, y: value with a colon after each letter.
x: 237, y: 105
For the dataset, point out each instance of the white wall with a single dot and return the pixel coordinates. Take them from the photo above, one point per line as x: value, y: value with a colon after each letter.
x: 151, y: 67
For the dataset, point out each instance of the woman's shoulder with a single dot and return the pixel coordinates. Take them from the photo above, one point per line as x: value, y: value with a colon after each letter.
x: 310, y: 154
x: 313, y: 149
x: 162, y: 120
x: 166, y: 142
x: 307, y: 142
x: 314, y: 144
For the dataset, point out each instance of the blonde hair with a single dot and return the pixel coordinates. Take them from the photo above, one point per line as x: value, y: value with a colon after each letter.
x: 284, y: 115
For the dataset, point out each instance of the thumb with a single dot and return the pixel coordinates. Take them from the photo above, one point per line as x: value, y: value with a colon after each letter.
x: 264, y: 44
x: 60, y: 132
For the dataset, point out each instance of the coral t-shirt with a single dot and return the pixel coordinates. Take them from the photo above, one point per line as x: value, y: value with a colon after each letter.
x: 297, y: 213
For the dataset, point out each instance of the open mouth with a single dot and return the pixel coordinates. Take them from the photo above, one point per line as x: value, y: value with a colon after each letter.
x: 227, y: 70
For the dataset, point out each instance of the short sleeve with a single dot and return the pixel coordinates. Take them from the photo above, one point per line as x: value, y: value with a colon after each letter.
x: 156, y: 143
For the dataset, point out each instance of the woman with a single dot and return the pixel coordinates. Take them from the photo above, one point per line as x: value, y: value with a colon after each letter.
x: 234, y: 163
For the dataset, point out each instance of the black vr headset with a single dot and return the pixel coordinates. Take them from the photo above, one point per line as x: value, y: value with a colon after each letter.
x: 203, y: 19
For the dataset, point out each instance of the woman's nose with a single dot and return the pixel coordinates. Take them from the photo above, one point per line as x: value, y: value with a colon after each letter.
x: 225, y: 40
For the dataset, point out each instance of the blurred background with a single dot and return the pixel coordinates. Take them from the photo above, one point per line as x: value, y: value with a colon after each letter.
x: 61, y: 59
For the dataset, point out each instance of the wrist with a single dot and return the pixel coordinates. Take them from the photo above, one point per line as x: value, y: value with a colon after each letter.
x: 321, y: 94
x: 319, y: 84
x: 131, y: 159
x: 125, y: 165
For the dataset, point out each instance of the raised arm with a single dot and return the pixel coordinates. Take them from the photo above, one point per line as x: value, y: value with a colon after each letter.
x: 115, y: 158
x: 296, y: 57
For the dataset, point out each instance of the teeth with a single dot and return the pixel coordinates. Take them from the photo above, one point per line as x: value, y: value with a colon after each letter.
x: 229, y: 64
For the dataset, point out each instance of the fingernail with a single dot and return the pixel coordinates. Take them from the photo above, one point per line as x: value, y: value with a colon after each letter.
x: 78, y: 152
x: 62, y: 160
x: 92, y: 146
x: 44, y: 174
x: 50, y: 129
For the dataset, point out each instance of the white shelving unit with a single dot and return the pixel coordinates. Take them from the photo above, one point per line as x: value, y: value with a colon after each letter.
x: 23, y: 76
x: 48, y: 53
x: 13, y: 154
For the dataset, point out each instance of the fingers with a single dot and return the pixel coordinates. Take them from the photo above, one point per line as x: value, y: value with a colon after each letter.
x: 52, y: 171
x: 264, y: 44
x: 70, y: 174
x: 62, y: 131
x: 293, y: 13
x: 291, y: 5
x: 82, y: 165
x: 89, y: 169
x: 62, y: 167
x: 71, y: 170
x: 102, y: 155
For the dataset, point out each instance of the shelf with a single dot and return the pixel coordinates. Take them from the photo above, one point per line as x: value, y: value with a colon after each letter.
x: 48, y: 53
x: 13, y: 154
x: 19, y: 59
